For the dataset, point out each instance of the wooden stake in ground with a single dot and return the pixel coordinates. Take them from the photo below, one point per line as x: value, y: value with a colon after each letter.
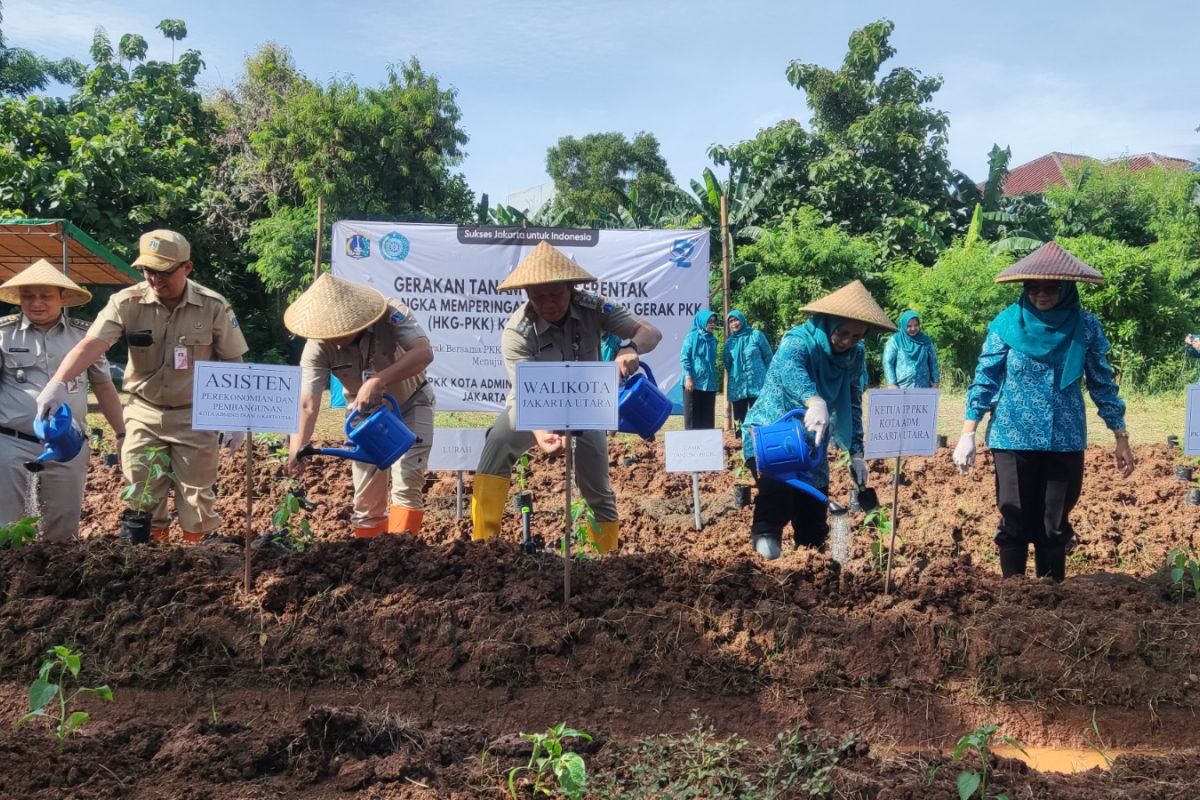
x: 725, y: 243
x: 887, y: 581
x: 696, y: 498
x: 249, y: 509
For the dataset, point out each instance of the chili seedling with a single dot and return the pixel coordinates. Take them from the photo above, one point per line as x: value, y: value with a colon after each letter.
x: 1184, y: 564
x: 549, y: 757
x: 157, y: 465
x: 585, y: 529
x: 980, y: 741
x: 61, y: 664
x: 18, y: 533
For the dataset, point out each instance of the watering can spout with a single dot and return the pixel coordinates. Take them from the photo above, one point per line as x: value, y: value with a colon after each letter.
x: 62, y: 436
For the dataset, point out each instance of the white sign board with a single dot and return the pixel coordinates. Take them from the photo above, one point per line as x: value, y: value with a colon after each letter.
x: 456, y: 449
x: 256, y: 397
x: 447, y: 275
x: 1191, y: 439
x: 901, y: 422
x: 695, y: 451
x: 567, y: 396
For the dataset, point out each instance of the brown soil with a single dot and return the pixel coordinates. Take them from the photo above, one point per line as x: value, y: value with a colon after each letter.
x: 407, y: 666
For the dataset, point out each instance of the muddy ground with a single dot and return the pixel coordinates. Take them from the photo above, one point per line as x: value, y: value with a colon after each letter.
x: 408, y: 666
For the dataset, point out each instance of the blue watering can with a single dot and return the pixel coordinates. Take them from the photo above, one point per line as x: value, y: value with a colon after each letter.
x: 782, y: 451
x: 63, y: 438
x: 642, y: 408
x: 379, y: 440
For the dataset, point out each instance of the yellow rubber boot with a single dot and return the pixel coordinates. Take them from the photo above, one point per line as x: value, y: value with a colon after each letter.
x: 404, y: 520
x: 488, y: 496
x: 607, y: 541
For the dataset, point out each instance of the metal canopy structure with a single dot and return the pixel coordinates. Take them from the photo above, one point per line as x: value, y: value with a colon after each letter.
x: 86, y: 261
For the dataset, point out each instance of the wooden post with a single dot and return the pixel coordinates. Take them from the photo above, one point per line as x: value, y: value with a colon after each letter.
x: 249, y: 508
x: 458, y: 494
x: 696, y: 499
x: 320, y: 235
x: 66, y: 242
x: 725, y: 293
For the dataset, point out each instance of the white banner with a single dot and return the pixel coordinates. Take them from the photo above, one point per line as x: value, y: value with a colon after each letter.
x: 235, y: 397
x: 456, y: 449
x: 901, y: 422
x: 448, y: 275
x: 567, y: 395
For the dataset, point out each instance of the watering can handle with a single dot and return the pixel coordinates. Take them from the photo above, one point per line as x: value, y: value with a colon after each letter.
x: 349, y: 426
x: 649, y: 374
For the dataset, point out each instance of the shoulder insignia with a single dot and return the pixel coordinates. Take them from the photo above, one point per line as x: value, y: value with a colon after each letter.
x: 82, y: 324
x: 10, y: 319
x: 523, y: 326
x: 589, y: 300
x: 398, y: 316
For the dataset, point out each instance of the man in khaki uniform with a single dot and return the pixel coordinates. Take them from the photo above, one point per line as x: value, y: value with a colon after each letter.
x: 556, y: 323
x: 169, y: 323
x: 374, y: 347
x: 32, y: 344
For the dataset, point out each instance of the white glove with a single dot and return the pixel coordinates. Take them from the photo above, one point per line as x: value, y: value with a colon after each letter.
x: 53, y: 397
x: 858, y: 470
x: 233, y: 439
x: 964, y: 453
x: 816, y: 419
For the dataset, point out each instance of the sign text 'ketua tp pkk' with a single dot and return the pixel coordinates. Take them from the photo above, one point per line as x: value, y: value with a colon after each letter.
x: 901, y: 422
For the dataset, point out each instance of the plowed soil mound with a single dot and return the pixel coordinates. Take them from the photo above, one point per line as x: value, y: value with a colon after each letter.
x: 406, y: 666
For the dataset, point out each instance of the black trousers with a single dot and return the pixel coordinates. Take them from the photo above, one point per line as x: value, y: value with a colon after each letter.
x: 778, y: 504
x: 1036, y: 491
x: 740, y: 407
x: 699, y: 410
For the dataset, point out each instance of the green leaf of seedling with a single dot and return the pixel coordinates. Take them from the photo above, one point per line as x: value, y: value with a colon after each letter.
x: 571, y: 774
x: 41, y: 712
x: 41, y: 692
x: 77, y: 719
x: 103, y: 692
x: 968, y: 784
x: 1176, y: 574
x: 71, y: 661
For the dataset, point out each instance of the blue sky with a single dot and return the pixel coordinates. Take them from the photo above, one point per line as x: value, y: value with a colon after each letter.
x: 1100, y: 79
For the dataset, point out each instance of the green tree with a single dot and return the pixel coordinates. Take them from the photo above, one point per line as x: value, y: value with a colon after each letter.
x: 797, y: 262
x: 23, y: 71
x: 875, y: 161
x: 595, y: 175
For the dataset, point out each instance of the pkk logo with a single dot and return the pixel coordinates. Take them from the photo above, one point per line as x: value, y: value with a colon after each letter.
x: 681, y: 253
x: 358, y: 246
x: 394, y: 246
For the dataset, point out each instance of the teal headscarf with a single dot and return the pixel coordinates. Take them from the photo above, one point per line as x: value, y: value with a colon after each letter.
x: 742, y: 331
x: 915, y: 348
x: 833, y: 373
x: 1055, y: 336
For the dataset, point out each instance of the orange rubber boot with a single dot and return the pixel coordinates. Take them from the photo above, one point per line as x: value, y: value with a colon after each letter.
x: 404, y: 520
x: 374, y: 530
x: 160, y: 534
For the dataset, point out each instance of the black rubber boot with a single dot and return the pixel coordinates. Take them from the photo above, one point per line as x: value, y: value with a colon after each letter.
x: 1050, y: 562
x: 1012, y: 560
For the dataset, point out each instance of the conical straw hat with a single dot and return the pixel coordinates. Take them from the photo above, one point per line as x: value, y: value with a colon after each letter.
x: 852, y: 301
x: 43, y: 273
x: 332, y: 308
x: 546, y: 264
x: 1050, y: 263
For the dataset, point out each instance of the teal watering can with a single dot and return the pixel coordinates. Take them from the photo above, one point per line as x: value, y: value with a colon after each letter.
x: 63, y: 438
x: 379, y: 440
x: 642, y: 408
x: 782, y: 451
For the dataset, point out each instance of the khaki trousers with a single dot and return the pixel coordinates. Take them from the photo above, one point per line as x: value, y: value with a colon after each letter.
x: 371, y: 495
x: 194, y: 456
x: 59, y: 489
x: 504, y: 445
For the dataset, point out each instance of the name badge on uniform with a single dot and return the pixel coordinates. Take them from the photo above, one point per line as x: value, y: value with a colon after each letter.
x: 367, y: 374
x: 73, y: 386
x: 181, y: 357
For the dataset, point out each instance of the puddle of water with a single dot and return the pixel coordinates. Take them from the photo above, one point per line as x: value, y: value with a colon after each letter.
x: 1059, y: 759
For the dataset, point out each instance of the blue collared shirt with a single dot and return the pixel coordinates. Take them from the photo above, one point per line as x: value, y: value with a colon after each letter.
x: 1029, y: 410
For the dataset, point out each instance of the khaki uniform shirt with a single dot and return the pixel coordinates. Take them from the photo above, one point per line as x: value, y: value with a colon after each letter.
x: 380, y: 345
x: 201, y: 328
x: 29, y: 356
x: 528, y: 337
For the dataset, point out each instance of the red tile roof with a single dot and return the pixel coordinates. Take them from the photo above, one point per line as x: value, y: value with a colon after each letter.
x: 1042, y: 173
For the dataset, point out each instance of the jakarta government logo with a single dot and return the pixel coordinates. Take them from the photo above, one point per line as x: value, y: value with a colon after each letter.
x: 358, y: 246
x: 394, y: 246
